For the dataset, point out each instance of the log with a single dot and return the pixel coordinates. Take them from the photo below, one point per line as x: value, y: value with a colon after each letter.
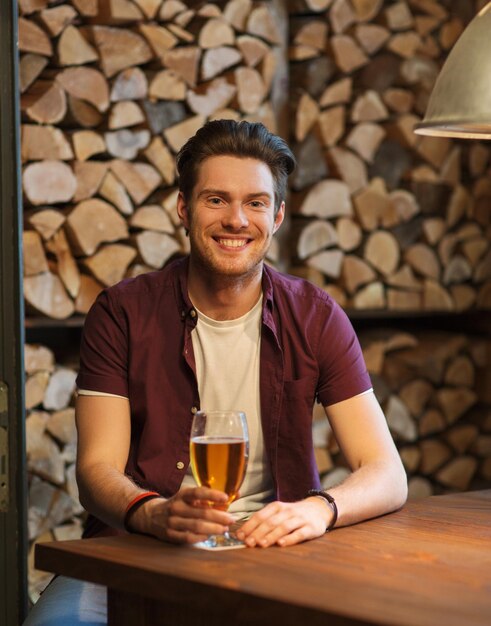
x: 350, y: 168
x: 86, y: 83
x: 217, y: 60
x: 337, y: 93
x: 436, y: 151
x: 253, y: 50
x: 250, y: 89
x: 306, y: 116
x: 416, y: 395
x: 35, y: 388
x: 45, y: 102
x: 152, y: 217
x: 370, y: 297
x: 45, y: 293
x: 478, y: 158
x: 450, y: 171
x: 93, y: 222
x: 115, y: 193
x: 366, y: 10
x: 180, y: 32
x: 399, y: 16
x: 124, y: 114
x: 458, y: 473
x: 341, y: 16
x: 337, y: 294
x: 83, y: 113
x: 110, y: 263
x: 156, y: 248
x: 67, y: 267
x: 450, y: 32
x: 457, y: 271
x: 215, y: 95
x: 329, y: 262
x: 216, y: 32
x: 140, y: 179
x: 170, y: 9
x: 464, y: 297
x: 431, y: 423
x: 405, y: 44
x: 60, y: 389
x: 461, y: 437
x: 87, y: 143
x: 347, y: 54
x: 177, y: 135
x: 356, y: 273
x: 474, y: 249
x: 436, y: 297
x: 365, y: 139
x: 159, y: 38
x: 332, y: 125
x: 399, y: 300
x: 455, y: 402
x: 312, y: 34
x: 44, y: 142
x: 236, y: 13
x: 314, y: 237
x: 369, y: 107
x: 185, y: 61
x: 48, y: 182
x: 89, y: 177
x: 86, y: 7
x: 434, y: 229
x: 399, y: 100
x: 167, y: 85
x: 400, y: 423
x: 32, y: 38
x: 382, y: 252
x: 371, y: 203
x: 460, y: 372
x: 404, y: 279
x: 349, y: 234
x: 161, y: 158
x: 35, y: 260
x: 423, y: 260
x: 46, y: 222
x: 261, y: 23
x: 434, y: 454
x: 410, y: 457
x: 29, y: 6
x: 328, y: 199
x: 372, y: 37
x: 37, y: 358
x: 30, y: 67
x: 74, y: 49
x: 130, y: 84
x: 88, y: 292
x: 126, y: 144
x: 113, y: 45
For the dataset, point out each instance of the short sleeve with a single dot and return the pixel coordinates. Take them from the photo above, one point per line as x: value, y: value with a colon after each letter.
x: 104, y: 348
x: 342, y: 370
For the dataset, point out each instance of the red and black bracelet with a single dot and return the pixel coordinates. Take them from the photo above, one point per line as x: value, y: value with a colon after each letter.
x: 135, y: 504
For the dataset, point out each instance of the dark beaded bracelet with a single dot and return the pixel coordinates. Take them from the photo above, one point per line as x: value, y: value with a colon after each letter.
x: 332, y: 503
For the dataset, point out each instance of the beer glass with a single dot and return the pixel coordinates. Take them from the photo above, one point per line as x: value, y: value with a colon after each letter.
x: 219, y: 450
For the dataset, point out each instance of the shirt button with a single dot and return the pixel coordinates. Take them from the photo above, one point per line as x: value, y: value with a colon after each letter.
x: 194, y: 410
x: 183, y: 313
x: 180, y: 465
x: 192, y: 313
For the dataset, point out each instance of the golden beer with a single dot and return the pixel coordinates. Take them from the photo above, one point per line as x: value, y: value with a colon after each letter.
x: 219, y: 463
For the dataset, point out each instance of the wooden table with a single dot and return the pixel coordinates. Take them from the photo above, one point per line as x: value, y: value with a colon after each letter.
x: 426, y: 565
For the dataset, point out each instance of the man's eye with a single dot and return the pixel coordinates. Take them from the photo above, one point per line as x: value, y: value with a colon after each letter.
x: 257, y: 204
x: 215, y: 201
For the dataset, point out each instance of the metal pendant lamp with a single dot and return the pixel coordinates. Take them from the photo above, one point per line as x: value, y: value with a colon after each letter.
x: 460, y: 104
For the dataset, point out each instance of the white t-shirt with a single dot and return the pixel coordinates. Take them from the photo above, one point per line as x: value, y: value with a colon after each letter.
x: 227, y: 355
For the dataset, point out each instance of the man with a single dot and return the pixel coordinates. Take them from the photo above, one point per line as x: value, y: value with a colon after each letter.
x: 221, y: 330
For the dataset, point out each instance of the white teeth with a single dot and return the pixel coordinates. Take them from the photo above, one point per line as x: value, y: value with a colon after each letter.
x: 232, y: 243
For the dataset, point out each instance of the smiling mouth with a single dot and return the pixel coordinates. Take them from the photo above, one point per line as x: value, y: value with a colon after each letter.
x: 232, y: 243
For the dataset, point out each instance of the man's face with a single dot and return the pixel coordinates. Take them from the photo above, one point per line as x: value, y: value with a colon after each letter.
x: 230, y: 217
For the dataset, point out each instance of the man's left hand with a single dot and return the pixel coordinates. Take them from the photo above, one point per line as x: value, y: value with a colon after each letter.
x: 286, y: 523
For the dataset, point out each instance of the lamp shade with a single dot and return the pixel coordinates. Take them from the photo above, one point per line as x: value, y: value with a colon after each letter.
x: 460, y: 104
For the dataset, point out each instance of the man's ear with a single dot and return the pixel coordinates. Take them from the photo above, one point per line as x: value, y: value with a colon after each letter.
x: 182, y: 210
x: 279, y: 217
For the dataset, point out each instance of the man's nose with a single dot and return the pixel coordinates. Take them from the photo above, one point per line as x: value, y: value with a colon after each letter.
x: 235, y: 216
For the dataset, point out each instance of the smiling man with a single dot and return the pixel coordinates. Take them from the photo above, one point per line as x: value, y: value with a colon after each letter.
x: 219, y: 329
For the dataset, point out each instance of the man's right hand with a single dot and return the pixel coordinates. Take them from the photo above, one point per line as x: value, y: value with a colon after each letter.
x: 187, y: 517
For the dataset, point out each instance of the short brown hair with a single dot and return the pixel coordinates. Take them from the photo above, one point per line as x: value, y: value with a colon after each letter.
x: 241, y: 139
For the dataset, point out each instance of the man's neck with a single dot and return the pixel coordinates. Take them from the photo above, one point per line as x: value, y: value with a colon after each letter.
x: 223, y: 297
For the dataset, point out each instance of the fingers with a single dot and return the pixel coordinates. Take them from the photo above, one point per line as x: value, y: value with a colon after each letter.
x: 190, y: 515
x: 283, y: 524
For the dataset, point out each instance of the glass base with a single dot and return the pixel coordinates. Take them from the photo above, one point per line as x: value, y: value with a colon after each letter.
x: 220, y: 542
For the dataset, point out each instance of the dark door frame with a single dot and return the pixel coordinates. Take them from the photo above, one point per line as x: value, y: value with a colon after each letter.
x: 13, y: 482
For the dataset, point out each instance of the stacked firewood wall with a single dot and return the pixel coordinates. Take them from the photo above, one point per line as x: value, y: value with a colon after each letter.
x: 385, y: 219
x: 382, y: 219
x: 111, y: 89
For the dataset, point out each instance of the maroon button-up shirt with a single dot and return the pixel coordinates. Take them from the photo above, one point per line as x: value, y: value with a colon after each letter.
x: 137, y: 343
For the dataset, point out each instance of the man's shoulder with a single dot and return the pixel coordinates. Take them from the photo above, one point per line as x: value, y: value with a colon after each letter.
x: 147, y: 283
x: 297, y: 288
